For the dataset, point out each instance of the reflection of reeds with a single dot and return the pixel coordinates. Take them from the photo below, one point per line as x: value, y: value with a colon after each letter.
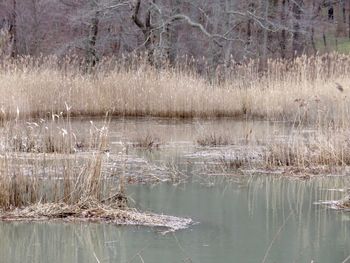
x: 303, y: 89
x: 282, y: 196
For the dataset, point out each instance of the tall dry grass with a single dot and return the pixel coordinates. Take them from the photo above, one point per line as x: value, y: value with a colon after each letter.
x: 40, y: 163
x: 327, y: 148
x: 47, y: 173
x: 302, y: 90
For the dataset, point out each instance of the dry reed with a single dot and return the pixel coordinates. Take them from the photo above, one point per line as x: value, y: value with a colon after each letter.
x: 47, y: 173
x: 39, y: 165
x: 214, y: 139
x: 326, y: 147
x: 147, y: 141
x: 302, y: 90
x: 305, y: 90
x: 314, y: 151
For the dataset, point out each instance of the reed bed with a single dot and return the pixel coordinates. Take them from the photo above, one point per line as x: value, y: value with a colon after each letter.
x: 40, y: 166
x: 322, y: 147
x: 47, y: 172
x: 302, y: 151
x: 303, y: 90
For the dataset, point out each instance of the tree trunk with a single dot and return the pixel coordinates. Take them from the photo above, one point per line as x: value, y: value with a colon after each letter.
x: 313, y: 10
x: 173, y: 33
x: 263, y: 52
x: 312, y: 39
x: 344, y: 12
x: 297, y: 36
x: 149, y: 37
x: 147, y: 30
x: 249, y: 25
x: 349, y: 25
x: 34, y: 46
x: 13, y: 30
x: 215, y: 51
x: 283, y: 41
x: 91, y: 56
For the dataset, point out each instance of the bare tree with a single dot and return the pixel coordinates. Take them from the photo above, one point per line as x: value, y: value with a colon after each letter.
x: 146, y: 27
x: 220, y: 31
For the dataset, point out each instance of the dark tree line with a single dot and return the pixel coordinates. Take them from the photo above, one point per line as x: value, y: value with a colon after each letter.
x: 221, y: 31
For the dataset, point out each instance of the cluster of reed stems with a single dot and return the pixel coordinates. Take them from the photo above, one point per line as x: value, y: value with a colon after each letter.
x: 303, y: 89
x: 43, y: 162
x: 316, y: 148
x: 326, y: 147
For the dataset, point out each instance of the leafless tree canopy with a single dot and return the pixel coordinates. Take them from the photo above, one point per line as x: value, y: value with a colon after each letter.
x: 221, y: 31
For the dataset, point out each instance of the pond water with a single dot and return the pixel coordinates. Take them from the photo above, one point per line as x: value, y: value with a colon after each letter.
x: 239, y: 219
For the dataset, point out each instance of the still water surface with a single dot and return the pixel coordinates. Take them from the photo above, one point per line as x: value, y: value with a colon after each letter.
x: 237, y: 223
x: 240, y: 219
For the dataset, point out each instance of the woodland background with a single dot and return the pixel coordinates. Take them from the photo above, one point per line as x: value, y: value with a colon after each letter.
x: 216, y: 32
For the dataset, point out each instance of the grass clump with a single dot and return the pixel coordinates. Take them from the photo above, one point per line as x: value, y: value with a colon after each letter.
x: 148, y: 142
x: 53, y: 135
x: 231, y: 164
x: 213, y: 139
x: 325, y: 148
x: 27, y: 177
x: 301, y: 151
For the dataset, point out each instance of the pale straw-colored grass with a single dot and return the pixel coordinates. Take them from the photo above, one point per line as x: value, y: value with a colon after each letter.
x: 46, y: 172
x: 43, y: 165
x: 302, y: 90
